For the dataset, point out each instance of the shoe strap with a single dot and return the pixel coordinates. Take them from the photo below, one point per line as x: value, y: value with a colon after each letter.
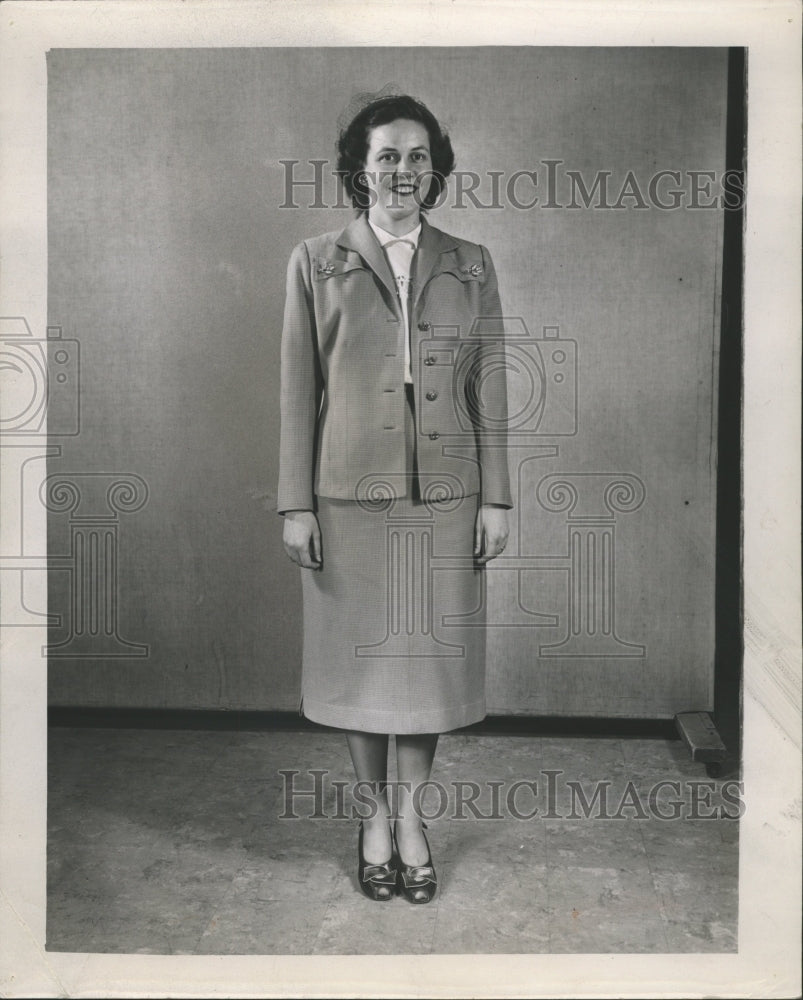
x: 379, y: 874
x: 418, y: 874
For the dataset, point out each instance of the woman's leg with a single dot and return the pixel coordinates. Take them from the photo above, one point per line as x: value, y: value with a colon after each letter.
x: 414, y: 756
x: 369, y: 754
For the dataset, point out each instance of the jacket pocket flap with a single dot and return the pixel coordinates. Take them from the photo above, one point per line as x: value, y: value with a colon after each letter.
x: 466, y: 272
x: 331, y: 267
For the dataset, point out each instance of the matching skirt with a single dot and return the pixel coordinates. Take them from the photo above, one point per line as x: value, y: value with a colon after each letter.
x: 394, y: 623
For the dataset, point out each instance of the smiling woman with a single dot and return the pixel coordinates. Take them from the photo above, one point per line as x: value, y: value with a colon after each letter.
x: 398, y: 174
x: 368, y: 497
x: 369, y: 151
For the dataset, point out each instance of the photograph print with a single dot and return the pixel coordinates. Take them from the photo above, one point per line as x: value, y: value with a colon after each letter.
x: 392, y: 477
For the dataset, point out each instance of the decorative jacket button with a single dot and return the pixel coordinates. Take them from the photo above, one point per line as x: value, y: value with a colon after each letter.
x: 431, y: 396
x: 423, y: 325
x: 434, y: 436
x: 429, y: 361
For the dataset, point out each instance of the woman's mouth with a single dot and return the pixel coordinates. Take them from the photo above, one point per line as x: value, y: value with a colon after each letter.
x: 403, y: 189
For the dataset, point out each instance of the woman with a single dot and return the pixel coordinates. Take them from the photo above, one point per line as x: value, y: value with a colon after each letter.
x: 392, y: 468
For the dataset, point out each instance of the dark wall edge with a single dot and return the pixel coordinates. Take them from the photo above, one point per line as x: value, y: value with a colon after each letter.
x: 257, y: 721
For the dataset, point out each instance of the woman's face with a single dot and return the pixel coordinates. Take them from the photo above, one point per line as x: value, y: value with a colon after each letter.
x: 398, y: 172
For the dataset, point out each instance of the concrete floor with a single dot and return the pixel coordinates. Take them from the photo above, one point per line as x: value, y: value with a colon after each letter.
x: 170, y: 842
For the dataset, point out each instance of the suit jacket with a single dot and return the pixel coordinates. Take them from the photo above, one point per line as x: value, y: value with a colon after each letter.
x: 342, y: 372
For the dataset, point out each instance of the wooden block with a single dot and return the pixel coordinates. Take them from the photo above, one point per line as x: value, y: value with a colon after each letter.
x: 701, y: 737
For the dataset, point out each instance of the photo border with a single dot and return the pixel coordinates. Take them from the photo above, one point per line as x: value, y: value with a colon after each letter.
x: 768, y: 960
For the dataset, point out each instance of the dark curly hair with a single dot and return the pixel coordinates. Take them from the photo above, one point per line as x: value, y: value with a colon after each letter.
x: 352, y: 146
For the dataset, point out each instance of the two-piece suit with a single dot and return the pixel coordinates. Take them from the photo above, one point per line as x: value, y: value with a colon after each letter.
x: 342, y: 395
x: 385, y: 645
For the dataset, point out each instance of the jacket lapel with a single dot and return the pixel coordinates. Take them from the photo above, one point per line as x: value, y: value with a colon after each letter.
x: 359, y: 236
x: 431, y: 244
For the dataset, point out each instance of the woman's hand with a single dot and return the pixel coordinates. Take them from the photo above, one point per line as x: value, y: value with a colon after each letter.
x: 490, y: 532
x: 302, y: 538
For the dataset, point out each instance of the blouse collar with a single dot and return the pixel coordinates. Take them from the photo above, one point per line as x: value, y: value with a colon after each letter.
x: 386, y: 238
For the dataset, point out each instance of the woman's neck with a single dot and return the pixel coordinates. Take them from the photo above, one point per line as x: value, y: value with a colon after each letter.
x: 399, y: 227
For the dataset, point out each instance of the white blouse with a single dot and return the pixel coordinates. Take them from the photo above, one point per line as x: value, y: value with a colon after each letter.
x: 400, y: 251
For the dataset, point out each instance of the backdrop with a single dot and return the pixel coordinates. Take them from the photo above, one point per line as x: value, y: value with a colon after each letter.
x: 170, y: 226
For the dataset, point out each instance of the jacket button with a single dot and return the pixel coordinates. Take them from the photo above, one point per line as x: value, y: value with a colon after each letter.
x: 429, y: 361
x: 423, y: 325
x: 434, y: 436
x: 431, y: 396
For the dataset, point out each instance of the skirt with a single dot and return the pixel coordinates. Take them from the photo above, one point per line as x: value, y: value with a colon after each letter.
x: 394, y: 621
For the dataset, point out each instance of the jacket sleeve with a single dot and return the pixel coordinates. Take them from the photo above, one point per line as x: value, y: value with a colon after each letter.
x: 491, y: 431
x: 301, y: 389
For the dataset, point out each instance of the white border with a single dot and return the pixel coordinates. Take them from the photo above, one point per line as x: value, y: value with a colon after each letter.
x: 768, y: 961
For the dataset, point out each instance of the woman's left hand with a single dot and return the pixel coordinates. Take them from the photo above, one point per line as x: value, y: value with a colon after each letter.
x: 490, y: 532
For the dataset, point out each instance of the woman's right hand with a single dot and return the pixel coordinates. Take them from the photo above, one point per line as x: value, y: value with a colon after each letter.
x: 302, y: 538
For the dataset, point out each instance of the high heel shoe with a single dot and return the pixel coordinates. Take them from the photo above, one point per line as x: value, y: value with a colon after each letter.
x: 378, y: 882
x: 417, y: 883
